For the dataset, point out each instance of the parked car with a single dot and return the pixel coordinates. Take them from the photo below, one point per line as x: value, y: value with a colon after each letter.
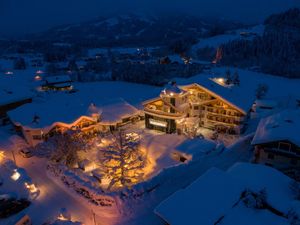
x: 26, y: 153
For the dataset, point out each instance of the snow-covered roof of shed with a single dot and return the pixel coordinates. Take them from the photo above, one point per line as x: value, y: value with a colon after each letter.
x: 278, y: 127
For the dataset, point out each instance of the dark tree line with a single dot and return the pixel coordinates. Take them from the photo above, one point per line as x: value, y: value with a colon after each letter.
x: 277, y: 51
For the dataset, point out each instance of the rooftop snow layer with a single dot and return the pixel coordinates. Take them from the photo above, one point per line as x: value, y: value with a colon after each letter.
x: 204, y: 201
x: 11, y: 91
x: 172, y: 88
x: 278, y: 127
x: 66, y: 107
x: 116, y: 109
x: 235, y: 95
x: 214, y: 197
x: 63, y: 108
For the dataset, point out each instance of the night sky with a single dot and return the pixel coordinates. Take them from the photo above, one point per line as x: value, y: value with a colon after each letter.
x: 21, y: 16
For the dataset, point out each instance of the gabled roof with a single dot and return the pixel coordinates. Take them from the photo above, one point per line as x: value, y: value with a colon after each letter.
x: 278, y: 127
x: 115, y: 110
x: 241, y: 97
x: 59, y: 108
x: 224, y: 94
x: 172, y: 88
x: 215, y: 196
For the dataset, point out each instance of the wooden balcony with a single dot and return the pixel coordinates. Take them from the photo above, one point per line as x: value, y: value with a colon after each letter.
x: 164, y: 114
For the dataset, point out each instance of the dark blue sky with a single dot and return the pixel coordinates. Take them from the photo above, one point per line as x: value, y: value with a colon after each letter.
x: 19, y: 16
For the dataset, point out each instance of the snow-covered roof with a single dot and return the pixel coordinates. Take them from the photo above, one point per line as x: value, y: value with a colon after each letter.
x: 215, y: 197
x: 57, y: 79
x: 204, y: 201
x: 278, y: 127
x: 238, y: 96
x: 65, y: 108
x: 115, y: 110
x: 8, y: 96
x: 196, y: 147
x: 172, y: 88
x: 10, y: 93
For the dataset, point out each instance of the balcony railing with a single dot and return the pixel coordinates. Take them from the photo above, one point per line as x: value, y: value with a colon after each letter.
x: 163, y: 113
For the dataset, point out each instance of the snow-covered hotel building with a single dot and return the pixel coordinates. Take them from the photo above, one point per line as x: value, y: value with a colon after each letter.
x: 180, y: 109
x: 39, y: 121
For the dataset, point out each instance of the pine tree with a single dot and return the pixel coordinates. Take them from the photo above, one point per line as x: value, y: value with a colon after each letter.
x: 19, y: 64
x: 73, y: 66
x: 228, y: 77
x: 66, y: 147
x: 261, y: 91
x: 236, y: 78
x: 122, y: 162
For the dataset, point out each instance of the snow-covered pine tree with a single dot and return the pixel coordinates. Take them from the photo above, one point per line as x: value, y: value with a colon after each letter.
x: 228, y: 77
x: 66, y: 147
x: 236, y: 78
x: 122, y: 162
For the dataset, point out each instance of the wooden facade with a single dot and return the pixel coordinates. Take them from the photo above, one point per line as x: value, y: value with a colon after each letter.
x: 279, y: 154
x: 167, y: 112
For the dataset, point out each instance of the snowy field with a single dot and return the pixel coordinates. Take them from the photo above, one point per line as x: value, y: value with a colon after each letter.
x: 216, y: 41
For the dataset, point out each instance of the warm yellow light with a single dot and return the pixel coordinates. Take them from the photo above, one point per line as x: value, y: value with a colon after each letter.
x: 16, y: 175
x: 61, y: 217
x: 37, y: 77
x: 2, y: 156
x: 221, y: 80
x: 31, y: 187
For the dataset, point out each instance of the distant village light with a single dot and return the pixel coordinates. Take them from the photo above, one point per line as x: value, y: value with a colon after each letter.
x: 39, y: 72
x: 38, y: 77
x: 9, y: 73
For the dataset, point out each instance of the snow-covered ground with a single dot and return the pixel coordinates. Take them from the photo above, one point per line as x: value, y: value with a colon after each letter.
x: 216, y: 41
